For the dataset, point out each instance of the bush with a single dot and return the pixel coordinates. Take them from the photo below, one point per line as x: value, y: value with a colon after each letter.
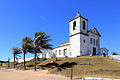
x: 42, y: 59
x: 114, y: 53
x: 39, y: 60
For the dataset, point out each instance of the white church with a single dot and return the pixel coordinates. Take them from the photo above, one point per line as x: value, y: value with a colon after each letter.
x: 82, y: 42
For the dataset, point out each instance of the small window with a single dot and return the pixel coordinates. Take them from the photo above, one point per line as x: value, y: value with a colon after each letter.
x: 91, y: 40
x: 83, y: 25
x: 65, y: 52
x: 56, y: 52
x: 94, y: 41
x: 74, y: 25
x: 59, y: 52
x: 84, y: 41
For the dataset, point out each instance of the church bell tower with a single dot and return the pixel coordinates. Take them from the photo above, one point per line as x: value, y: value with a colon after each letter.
x: 77, y: 27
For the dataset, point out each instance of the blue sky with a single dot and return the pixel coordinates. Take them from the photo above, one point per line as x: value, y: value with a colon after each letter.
x: 20, y: 18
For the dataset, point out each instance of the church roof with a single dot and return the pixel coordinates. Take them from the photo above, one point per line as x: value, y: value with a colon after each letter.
x: 65, y: 43
x: 77, y: 16
x: 96, y: 31
x: 104, y: 48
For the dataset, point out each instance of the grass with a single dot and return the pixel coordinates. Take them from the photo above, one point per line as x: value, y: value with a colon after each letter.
x: 91, y: 66
x: 29, y: 64
x: 96, y: 66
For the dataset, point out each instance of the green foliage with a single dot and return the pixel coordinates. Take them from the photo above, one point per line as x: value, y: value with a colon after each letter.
x: 39, y: 60
x: 31, y: 62
x: 42, y: 59
x: 114, y: 53
x: 35, y: 46
x: 27, y: 39
x: 41, y: 41
x: 26, y: 44
x: 16, y: 50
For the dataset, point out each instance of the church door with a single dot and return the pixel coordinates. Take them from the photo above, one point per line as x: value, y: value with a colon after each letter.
x: 94, y: 51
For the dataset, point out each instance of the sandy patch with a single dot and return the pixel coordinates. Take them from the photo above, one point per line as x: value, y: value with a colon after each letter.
x: 29, y: 75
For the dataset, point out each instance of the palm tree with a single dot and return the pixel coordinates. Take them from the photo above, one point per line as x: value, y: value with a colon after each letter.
x: 16, y: 51
x: 26, y: 46
x: 40, y: 42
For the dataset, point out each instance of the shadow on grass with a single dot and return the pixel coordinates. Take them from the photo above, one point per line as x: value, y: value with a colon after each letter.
x: 59, y: 66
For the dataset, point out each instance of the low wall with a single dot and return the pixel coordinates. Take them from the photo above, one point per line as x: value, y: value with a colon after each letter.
x: 94, y: 78
x: 115, y: 57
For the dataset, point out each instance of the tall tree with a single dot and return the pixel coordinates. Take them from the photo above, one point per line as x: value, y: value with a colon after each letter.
x: 26, y: 47
x: 40, y: 42
x: 16, y: 51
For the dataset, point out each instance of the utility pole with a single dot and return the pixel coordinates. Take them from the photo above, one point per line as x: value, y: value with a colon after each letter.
x: 71, y: 75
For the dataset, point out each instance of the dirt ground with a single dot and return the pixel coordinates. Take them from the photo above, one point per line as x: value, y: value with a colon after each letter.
x: 29, y: 75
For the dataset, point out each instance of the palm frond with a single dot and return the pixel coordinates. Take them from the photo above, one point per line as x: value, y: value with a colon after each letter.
x: 46, y: 46
x: 39, y: 33
x: 26, y: 44
x: 16, y: 50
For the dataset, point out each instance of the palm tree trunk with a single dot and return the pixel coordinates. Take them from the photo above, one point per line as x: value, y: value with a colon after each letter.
x: 14, y: 60
x: 35, y: 62
x: 8, y: 62
x: 24, y: 61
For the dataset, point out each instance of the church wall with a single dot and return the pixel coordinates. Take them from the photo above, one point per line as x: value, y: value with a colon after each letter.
x: 48, y: 53
x: 84, y: 38
x: 75, y: 45
x: 84, y: 45
x: 62, y: 51
x: 91, y: 46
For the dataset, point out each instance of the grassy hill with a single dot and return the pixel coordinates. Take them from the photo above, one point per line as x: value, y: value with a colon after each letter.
x: 91, y: 66
x: 96, y: 66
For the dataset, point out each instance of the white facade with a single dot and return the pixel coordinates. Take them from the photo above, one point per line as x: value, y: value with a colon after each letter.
x: 62, y: 51
x: 27, y: 59
x: 82, y: 42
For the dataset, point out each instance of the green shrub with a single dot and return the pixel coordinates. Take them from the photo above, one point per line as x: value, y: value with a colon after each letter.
x: 114, y: 53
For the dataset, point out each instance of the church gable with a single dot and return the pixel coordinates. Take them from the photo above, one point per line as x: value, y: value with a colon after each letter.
x: 95, y: 31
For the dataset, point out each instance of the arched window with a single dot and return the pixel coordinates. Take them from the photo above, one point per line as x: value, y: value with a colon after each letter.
x: 56, y: 52
x: 74, y: 25
x: 91, y: 40
x: 59, y: 52
x: 83, y: 25
x: 84, y: 41
x: 96, y: 42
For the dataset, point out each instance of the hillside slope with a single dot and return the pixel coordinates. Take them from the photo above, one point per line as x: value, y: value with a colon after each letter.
x: 96, y: 66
